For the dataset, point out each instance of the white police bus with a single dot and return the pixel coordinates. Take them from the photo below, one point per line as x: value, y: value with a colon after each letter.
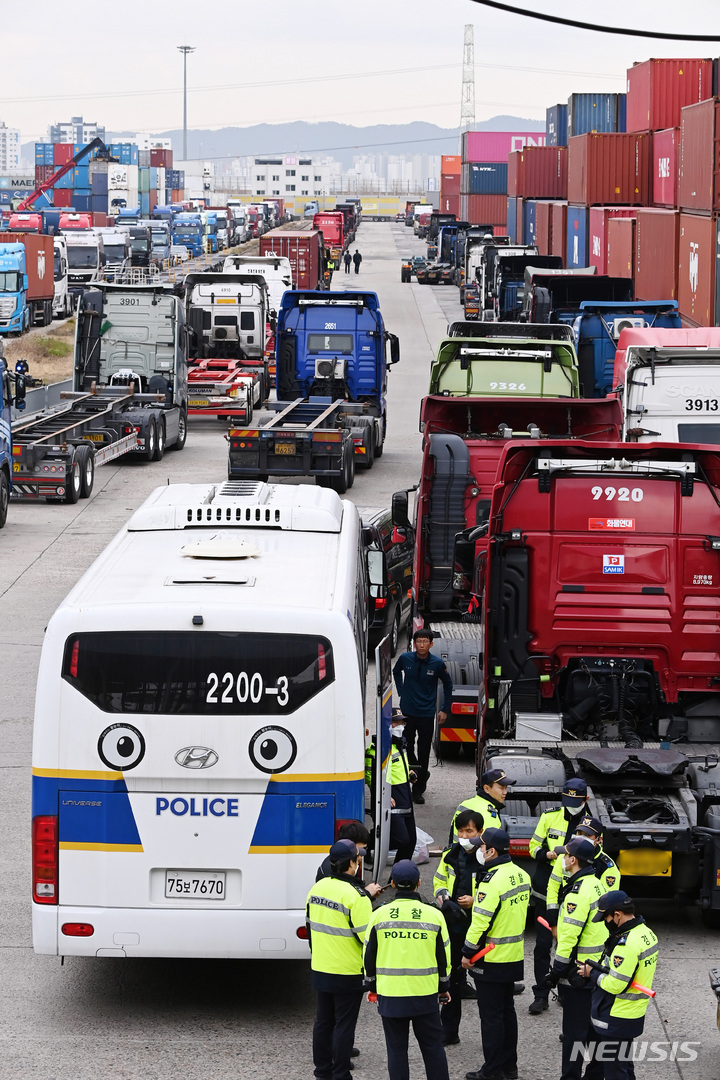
x: 199, y: 726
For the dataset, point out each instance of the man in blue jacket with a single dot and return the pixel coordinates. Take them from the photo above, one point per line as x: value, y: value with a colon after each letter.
x: 416, y: 677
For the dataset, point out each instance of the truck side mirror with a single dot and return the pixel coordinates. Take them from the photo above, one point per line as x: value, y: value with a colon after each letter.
x: 394, y: 348
x: 25, y: 282
x: 399, y: 510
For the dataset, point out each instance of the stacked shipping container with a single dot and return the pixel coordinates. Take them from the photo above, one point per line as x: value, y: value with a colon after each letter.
x: 484, y: 174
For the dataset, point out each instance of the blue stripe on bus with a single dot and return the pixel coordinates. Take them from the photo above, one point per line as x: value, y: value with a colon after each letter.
x: 89, y: 811
x: 303, y: 814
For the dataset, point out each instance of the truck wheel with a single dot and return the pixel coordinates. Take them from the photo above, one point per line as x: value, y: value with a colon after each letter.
x: 350, y: 470
x: 86, y: 462
x: 160, y: 444
x: 4, y: 497
x: 395, y: 633
x: 150, y: 441
x: 368, y: 459
x: 182, y: 431
x: 73, y: 484
x: 380, y: 443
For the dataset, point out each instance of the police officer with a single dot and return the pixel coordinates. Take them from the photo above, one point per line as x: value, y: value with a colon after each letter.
x: 407, y: 963
x: 498, y: 919
x: 403, y: 834
x: 337, y: 913
x: 416, y: 677
x: 489, y: 800
x: 606, y: 870
x: 579, y: 938
x: 555, y: 827
x: 454, y: 886
x: 618, y: 1010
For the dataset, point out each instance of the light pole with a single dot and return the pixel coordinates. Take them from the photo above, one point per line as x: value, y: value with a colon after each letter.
x: 185, y: 49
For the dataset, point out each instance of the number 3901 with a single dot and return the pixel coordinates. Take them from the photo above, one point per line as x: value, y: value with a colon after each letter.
x: 622, y: 494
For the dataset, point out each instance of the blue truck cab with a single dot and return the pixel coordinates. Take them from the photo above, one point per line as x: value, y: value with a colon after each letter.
x: 597, y: 329
x: 335, y: 345
x: 127, y: 215
x: 209, y: 218
x: 188, y: 232
x: 14, y: 310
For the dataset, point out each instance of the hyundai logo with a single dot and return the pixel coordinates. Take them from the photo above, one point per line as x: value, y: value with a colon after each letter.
x: 196, y: 757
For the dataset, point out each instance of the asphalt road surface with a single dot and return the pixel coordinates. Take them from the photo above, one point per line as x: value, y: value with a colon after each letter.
x: 144, y: 1019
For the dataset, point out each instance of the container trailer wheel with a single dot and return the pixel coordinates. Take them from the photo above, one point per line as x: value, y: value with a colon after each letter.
x: 73, y: 487
x: 86, y: 463
x: 150, y: 441
x: 182, y: 431
x: 160, y: 443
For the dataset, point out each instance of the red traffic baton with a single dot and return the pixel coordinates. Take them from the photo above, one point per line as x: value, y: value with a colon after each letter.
x: 543, y: 922
x: 372, y: 998
x: 483, y: 952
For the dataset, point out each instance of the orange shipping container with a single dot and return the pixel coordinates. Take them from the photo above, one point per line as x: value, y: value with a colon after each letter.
x: 621, y: 247
x: 450, y: 164
x: 543, y: 227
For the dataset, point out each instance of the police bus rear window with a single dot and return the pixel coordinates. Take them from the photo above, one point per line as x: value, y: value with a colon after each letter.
x: 168, y: 673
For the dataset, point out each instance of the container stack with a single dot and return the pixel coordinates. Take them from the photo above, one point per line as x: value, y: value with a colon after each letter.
x: 484, y: 174
x: 450, y: 184
x: 534, y: 174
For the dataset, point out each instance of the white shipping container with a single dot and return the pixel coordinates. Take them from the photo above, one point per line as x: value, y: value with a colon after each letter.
x: 118, y: 177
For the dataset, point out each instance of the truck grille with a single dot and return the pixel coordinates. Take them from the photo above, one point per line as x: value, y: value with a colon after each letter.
x: 7, y: 307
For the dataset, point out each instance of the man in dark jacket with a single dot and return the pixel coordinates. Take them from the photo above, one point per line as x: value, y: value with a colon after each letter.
x: 416, y: 677
x: 347, y: 259
x: 357, y: 259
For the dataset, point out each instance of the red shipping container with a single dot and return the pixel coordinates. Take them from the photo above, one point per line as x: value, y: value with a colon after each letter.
x: 484, y: 209
x: 609, y: 168
x: 497, y: 145
x: 304, y: 250
x: 665, y: 167
x: 100, y: 220
x: 621, y: 247
x: 538, y: 172
x: 62, y: 152
x: 449, y: 184
x: 161, y: 159
x: 450, y: 163
x: 153, y: 200
x: 62, y: 197
x: 558, y: 231
x: 656, y: 254
x: 450, y: 204
x: 658, y: 89
x: 43, y: 173
x: 543, y: 227
x: 597, y: 227
x: 698, y: 157
x: 696, y: 268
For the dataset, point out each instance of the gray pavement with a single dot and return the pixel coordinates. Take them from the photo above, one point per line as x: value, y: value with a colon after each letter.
x: 140, y: 1019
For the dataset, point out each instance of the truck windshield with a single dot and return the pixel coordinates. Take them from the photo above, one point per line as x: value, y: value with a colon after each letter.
x: 176, y: 673
x: 9, y: 281
x: 57, y: 266
x: 139, y: 243
x: 81, y: 258
x: 188, y: 230
x: 115, y: 252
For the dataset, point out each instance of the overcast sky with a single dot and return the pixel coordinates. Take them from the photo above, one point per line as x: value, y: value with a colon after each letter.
x: 362, y: 62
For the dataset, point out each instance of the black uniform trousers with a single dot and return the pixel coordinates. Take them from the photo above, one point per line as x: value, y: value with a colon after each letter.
x: 542, y: 950
x: 578, y: 1031
x: 403, y: 835
x: 451, y: 1014
x: 498, y: 1025
x: 616, y: 1057
x: 428, y: 1032
x: 422, y: 727
x: 334, y: 1033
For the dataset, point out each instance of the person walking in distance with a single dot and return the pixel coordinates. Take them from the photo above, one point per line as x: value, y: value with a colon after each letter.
x: 406, y: 959
x: 498, y: 919
x: 357, y: 259
x: 618, y: 1008
x: 347, y: 259
x: 416, y: 677
x: 555, y: 827
x: 337, y: 912
x: 489, y: 801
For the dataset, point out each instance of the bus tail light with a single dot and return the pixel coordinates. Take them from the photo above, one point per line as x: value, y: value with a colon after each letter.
x: 78, y: 929
x: 45, y: 860
x: 302, y: 933
x: 380, y: 602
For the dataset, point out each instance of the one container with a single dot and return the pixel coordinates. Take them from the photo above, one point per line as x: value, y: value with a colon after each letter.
x: 62, y: 152
x: 99, y: 184
x: 556, y: 125
x: 449, y: 184
x: 81, y: 201
x: 144, y: 203
x: 81, y: 176
x: 558, y: 229
x: 449, y: 204
x: 528, y: 221
x: 513, y: 226
x: 161, y: 158
x: 144, y: 179
x: 304, y: 250
x: 483, y: 209
x: 65, y: 182
x: 43, y: 173
x: 484, y: 178
x: 698, y: 186
x: 153, y: 200
x: 595, y: 112
x: 658, y: 89
x: 576, y: 252
x: 540, y: 172
x: 62, y: 197
x: 607, y: 169
x: 543, y: 227
x: 99, y: 203
x: 656, y: 254
x: 665, y: 167
x: 598, y: 219
x: 38, y: 262
x: 450, y: 164
x: 496, y: 145
x: 621, y: 247
x: 697, y: 257
x: 144, y: 159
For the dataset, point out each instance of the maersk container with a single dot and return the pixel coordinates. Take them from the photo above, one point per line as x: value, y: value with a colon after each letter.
x: 496, y: 145
x: 697, y: 261
x: 658, y: 89
x: 512, y: 220
x: 576, y: 252
x: 595, y: 112
x: 598, y: 220
x: 609, y: 169
x: 556, y: 125
x: 698, y: 179
x: 528, y: 221
x: 656, y: 254
x: 484, y: 178
x: 539, y: 172
x: 666, y: 146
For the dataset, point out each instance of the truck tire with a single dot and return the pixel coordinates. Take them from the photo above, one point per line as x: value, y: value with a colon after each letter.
x: 367, y: 460
x: 182, y: 431
x: 380, y: 443
x: 86, y: 461
x: 150, y: 440
x: 73, y: 484
x: 346, y: 479
x: 160, y: 441
x: 4, y: 497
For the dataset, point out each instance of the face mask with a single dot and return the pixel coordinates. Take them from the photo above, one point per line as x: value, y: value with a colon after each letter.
x: 465, y: 843
x: 567, y: 870
x: 480, y: 856
x: 398, y: 730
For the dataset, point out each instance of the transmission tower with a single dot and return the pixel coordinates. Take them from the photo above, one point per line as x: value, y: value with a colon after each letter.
x: 467, y: 104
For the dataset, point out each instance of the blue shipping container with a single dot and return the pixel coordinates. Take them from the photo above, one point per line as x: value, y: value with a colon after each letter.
x: 484, y: 178
x: 99, y: 183
x: 99, y: 204
x: 556, y: 125
x: 81, y: 176
x: 595, y: 112
x: 528, y: 221
x: 512, y: 209
x: 145, y: 204
x: 153, y: 178
x: 65, y: 182
x: 577, y: 237
x: 81, y: 203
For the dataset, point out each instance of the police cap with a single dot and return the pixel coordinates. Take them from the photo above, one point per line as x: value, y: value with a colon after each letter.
x: 574, y: 793
x: 496, y: 776
x: 615, y: 900
x: 589, y: 826
x: 344, y: 849
x: 496, y: 838
x: 581, y: 849
x: 405, y: 874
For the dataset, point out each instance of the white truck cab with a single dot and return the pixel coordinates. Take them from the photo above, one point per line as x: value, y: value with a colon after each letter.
x: 62, y: 301
x: 274, y: 269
